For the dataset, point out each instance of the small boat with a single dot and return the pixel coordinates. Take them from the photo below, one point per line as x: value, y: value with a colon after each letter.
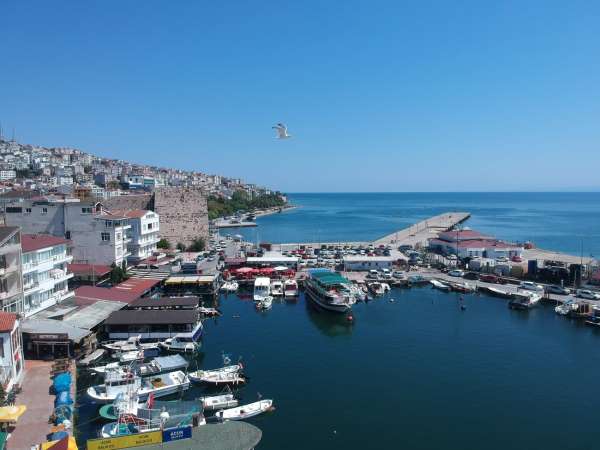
x: 131, y: 344
x: 290, y: 288
x: 439, y: 285
x: 496, y: 292
x: 218, y: 376
x: 378, y: 288
x: 184, y: 342
x: 245, y: 411
x: 209, y: 312
x: 524, y: 300
x: 262, y: 288
x: 464, y: 288
x: 565, y: 308
x: 218, y: 402
x: 122, y: 380
x: 417, y: 279
x: 230, y: 286
x: 92, y: 357
x: 276, y: 288
x: 265, y: 303
x: 158, y: 365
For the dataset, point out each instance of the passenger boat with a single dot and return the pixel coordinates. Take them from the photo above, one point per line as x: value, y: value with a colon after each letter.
x: 276, y: 288
x: 123, y: 380
x: 330, y: 290
x: 262, y: 288
x: 290, y: 288
x: 524, y: 300
x: 225, y: 375
x: 184, y: 342
x: 439, y: 285
x: 230, y: 286
x: 245, y: 411
x: 265, y: 303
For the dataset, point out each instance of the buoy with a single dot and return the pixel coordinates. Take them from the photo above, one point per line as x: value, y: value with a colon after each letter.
x: 350, y: 318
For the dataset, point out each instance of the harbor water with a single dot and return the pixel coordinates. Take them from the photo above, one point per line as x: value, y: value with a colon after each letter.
x: 566, y: 222
x: 416, y: 373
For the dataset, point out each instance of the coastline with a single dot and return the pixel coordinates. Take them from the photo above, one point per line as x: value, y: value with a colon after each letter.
x: 274, y: 210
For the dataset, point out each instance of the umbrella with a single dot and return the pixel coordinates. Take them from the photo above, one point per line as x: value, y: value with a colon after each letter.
x: 11, y: 413
x: 281, y: 268
x: 245, y: 270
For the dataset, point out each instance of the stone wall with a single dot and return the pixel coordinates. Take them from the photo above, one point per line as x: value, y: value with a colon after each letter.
x: 183, y: 213
x: 128, y: 202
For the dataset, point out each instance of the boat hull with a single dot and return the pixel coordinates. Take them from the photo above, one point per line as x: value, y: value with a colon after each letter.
x: 325, y: 305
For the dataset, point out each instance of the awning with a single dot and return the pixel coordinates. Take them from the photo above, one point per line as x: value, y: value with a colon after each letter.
x: 281, y: 268
x: 55, y: 445
x: 11, y: 413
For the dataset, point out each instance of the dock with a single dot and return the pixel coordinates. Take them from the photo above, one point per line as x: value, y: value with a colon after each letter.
x: 223, y: 224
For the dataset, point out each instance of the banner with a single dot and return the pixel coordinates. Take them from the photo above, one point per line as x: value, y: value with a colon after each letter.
x: 134, y: 440
x: 175, y: 434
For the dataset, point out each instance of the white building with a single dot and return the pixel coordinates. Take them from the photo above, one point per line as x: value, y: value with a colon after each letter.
x: 7, y: 175
x: 97, y: 236
x: 45, y: 275
x: 143, y: 234
x: 363, y: 262
x: 11, y: 280
x: 11, y: 351
x: 469, y: 243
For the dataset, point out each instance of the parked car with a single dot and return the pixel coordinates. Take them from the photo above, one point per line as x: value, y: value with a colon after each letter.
x: 452, y: 257
x: 398, y: 274
x: 556, y: 289
x: 517, y: 258
x: 471, y: 276
x: 531, y: 286
x: 502, y: 259
x: 586, y: 293
x: 456, y: 273
x: 488, y: 278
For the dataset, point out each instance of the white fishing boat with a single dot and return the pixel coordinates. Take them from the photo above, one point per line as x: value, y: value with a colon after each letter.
x: 123, y: 380
x: 128, y: 357
x: 245, y: 411
x: 92, y: 357
x: 290, y: 288
x: 265, y: 303
x: 565, y: 308
x: 184, y: 342
x: 276, y: 288
x: 130, y: 344
x: 158, y: 365
x: 219, y: 402
x: 230, y: 286
x: 439, y: 285
x: 262, y: 288
x: 209, y: 312
x: 524, y: 300
x: 218, y: 376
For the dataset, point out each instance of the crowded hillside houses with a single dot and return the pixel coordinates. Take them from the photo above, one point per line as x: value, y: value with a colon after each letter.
x: 73, y: 229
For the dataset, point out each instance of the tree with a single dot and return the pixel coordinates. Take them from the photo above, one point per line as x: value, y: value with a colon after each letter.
x: 164, y: 244
x: 2, y: 395
x: 118, y: 273
x: 198, y: 245
x: 180, y: 247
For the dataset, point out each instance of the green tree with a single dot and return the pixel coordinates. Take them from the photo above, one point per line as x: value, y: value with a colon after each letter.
x: 180, y: 247
x: 164, y: 244
x: 198, y: 245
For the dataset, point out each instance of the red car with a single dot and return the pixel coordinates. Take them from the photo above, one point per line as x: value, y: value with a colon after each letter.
x: 517, y: 259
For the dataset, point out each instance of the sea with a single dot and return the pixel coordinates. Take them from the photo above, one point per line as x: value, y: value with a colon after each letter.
x: 412, y: 370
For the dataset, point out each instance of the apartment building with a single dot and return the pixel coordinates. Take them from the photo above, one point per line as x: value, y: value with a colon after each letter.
x: 11, y: 351
x: 143, y: 234
x: 11, y: 283
x: 45, y: 275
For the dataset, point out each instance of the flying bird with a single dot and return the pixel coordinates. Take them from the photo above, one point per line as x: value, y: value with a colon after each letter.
x: 281, y: 131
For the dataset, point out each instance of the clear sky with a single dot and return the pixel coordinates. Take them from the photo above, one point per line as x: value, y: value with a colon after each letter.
x: 378, y: 95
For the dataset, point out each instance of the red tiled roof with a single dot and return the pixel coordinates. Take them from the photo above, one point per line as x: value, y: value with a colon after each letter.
x: 127, y: 291
x: 88, y: 269
x: 7, y: 321
x: 32, y: 242
x: 475, y: 243
x: 462, y: 235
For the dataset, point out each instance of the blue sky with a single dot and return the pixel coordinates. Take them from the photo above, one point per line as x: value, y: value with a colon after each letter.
x: 379, y: 96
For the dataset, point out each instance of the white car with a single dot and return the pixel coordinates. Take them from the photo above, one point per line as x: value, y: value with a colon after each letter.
x: 531, y: 286
x: 502, y: 259
x: 456, y: 273
x: 586, y: 293
x: 452, y: 257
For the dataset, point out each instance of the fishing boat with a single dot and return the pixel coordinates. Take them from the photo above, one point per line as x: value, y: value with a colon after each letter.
x: 276, y: 288
x: 463, y: 288
x: 594, y: 319
x: 265, y: 303
x: 496, y: 292
x: 230, y: 286
x: 158, y: 365
x: 417, y: 280
x: 439, y: 285
x: 262, y: 288
x: 218, y: 402
x: 92, y: 357
x: 378, y: 288
x: 130, y: 344
x: 330, y: 290
x: 245, y: 411
x: 225, y: 375
x: 184, y: 342
x: 524, y: 300
x: 565, y: 308
x: 123, y: 380
x: 290, y: 288
x: 209, y: 312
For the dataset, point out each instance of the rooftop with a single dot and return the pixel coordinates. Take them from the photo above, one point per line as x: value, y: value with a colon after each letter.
x: 49, y: 326
x: 88, y: 269
x: 150, y: 317
x: 33, y: 242
x: 7, y: 321
x: 127, y: 291
x: 164, y: 302
x: 130, y: 214
x: 7, y: 232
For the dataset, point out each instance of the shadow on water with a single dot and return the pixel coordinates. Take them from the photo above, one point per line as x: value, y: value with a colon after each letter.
x: 328, y: 323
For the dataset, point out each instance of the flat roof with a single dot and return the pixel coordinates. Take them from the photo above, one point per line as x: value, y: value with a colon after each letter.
x: 187, y: 279
x: 150, y: 317
x: 164, y: 301
x: 271, y: 259
x: 365, y: 258
x: 93, y: 315
x: 33, y: 242
x: 49, y: 326
x: 127, y: 291
x: 88, y: 269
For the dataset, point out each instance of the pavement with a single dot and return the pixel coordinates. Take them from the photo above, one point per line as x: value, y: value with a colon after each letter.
x: 33, y: 426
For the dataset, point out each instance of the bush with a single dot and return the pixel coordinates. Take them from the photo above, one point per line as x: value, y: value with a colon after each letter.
x: 198, y: 245
x: 164, y: 244
x: 180, y: 247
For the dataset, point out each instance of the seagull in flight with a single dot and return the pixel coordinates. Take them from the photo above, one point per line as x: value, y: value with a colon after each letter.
x: 281, y: 131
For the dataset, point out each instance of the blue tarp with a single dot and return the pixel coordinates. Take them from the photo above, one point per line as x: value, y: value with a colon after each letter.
x: 62, y: 382
x: 63, y: 398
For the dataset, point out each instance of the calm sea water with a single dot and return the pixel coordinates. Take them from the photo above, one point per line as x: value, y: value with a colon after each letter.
x: 557, y: 221
x: 417, y: 373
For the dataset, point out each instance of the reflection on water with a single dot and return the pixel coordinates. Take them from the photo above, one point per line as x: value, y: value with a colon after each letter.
x: 328, y: 323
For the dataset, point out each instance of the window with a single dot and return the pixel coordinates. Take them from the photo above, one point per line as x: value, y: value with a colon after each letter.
x: 108, y: 223
x: 67, y: 234
x: 105, y: 236
x: 27, y: 210
x: 86, y: 210
x: 1, y: 347
x: 44, y: 211
x: 14, y: 209
x: 149, y: 226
